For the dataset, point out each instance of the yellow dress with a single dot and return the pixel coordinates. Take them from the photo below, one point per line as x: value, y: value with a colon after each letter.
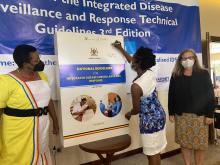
x: 19, y: 136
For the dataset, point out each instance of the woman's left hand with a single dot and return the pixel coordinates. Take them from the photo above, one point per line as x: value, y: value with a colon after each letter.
x: 128, y: 115
x: 209, y: 121
x: 55, y: 128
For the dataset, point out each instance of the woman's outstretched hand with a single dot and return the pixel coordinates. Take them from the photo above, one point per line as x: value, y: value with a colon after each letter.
x: 117, y: 44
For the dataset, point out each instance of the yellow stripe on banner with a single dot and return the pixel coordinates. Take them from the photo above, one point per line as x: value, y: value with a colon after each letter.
x: 95, y: 132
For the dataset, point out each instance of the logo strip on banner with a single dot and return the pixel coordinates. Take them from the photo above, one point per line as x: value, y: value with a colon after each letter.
x: 95, y: 131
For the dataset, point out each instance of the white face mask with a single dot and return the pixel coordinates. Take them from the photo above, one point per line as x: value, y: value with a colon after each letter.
x: 188, y: 63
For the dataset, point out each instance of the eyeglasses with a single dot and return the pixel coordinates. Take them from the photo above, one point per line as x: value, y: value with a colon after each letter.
x: 186, y: 58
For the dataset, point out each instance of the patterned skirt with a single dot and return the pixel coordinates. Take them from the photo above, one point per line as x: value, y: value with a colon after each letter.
x: 191, y: 132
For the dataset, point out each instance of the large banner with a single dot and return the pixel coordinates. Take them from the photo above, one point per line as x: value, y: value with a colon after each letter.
x: 166, y: 26
x: 92, y: 88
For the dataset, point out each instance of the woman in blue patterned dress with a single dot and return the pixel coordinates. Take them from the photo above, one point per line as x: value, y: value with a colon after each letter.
x: 146, y: 104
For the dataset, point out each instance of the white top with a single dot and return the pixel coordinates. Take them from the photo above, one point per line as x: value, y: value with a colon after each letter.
x: 41, y: 91
x: 147, y: 82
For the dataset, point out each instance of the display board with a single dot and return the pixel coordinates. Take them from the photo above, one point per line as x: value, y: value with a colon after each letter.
x: 92, y: 87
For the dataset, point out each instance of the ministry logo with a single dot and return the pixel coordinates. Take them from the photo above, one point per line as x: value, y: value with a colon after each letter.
x: 94, y: 52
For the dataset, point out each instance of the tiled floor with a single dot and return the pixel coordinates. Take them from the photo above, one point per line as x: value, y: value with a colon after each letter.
x: 212, y: 158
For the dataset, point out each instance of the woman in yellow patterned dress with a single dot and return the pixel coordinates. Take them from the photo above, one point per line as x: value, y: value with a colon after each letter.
x: 24, y: 104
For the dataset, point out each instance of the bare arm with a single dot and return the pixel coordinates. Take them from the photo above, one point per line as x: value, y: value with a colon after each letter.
x: 118, y: 46
x: 136, y: 93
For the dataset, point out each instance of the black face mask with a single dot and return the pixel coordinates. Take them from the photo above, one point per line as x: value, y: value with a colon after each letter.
x: 39, y: 67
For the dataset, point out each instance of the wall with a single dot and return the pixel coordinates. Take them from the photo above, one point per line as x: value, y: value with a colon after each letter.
x: 209, y: 16
x: 215, y: 57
